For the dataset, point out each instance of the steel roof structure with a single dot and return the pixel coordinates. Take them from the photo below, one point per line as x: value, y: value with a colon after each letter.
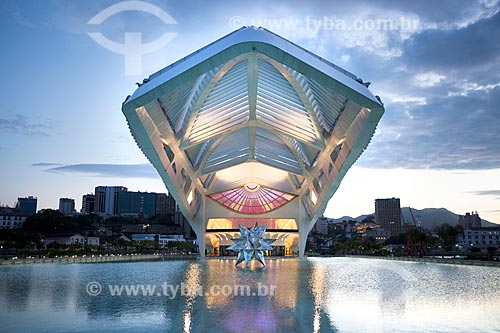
x: 256, y: 122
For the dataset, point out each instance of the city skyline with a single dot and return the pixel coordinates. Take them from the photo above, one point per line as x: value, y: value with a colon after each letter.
x: 62, y: 132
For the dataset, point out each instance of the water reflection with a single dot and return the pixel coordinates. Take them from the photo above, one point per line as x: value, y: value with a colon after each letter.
x: 291, y: 306
x: 392, y: 297
x: 16, y: 291
x: 315, y: 295
x: 192, y: 279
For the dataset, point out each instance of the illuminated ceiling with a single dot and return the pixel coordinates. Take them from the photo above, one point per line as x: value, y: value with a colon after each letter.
x: 252, y: 199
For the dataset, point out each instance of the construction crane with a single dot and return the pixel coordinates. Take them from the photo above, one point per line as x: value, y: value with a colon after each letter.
x: 419, y: 246
x: 416, y: 222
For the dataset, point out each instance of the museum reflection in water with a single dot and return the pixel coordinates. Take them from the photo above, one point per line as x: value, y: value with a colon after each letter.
x: 313, y: 295
x: 59, y: 293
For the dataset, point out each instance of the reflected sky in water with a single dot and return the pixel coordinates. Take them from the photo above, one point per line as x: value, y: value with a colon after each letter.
x: 313, y: 295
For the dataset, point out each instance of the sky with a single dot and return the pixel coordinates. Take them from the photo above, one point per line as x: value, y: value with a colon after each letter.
x: 435, y: 65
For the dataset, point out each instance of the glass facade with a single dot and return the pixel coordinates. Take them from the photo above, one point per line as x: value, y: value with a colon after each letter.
x: 252, y: 199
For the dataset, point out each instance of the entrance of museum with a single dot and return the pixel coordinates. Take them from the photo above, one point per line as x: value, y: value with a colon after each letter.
x: 221, y: 231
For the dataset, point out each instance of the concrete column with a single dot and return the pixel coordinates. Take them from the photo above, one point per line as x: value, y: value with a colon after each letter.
x: 200, y: 236
x: 199, y: 229
x: 200, y: 233
x: 303, y: 232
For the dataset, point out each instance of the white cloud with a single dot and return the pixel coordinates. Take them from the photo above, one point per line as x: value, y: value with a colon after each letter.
x: 429, y: 79
x: 406, y: 99
x: 345, y: 58
x: 465, y: 88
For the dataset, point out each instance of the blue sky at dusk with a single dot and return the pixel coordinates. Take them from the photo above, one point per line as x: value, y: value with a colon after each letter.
x: 435, y: 65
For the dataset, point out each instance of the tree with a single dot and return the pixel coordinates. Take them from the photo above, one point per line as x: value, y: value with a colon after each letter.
x: 398, y: 240
x: 50, y: 222
x: 491, y: 252
x: 474, y: 250
x: 369, y: 245
x: 145, y: 245
x: 75, y: 248
x: 448, y: 235
x: 87, y: 222
x: 416, y: 242
x: 21, y: 240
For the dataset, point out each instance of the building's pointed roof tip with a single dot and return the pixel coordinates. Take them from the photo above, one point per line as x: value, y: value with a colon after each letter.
x: 346, y: 72
x: 252, y: 31
x: 260, y: 36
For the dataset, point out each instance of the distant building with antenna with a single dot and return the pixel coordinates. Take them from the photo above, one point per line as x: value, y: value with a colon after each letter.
x: 470, y: 220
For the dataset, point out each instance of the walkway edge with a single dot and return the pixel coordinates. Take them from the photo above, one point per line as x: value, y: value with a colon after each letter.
x: 435, y: 260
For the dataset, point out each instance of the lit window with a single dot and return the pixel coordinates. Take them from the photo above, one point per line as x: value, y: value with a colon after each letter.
x: 190, y: 197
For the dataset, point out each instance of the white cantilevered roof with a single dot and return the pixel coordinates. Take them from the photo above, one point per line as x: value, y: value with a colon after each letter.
x: 251, y: 97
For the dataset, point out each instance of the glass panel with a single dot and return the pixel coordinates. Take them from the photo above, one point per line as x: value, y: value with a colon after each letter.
x: 252, y: 199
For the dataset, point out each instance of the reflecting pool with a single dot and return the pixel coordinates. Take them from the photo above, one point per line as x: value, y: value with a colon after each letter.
x: 289, y: 295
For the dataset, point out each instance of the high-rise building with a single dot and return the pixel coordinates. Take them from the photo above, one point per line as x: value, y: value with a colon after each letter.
x: 388, y: 215
x: 183, y: 222
x: 67, y: 206
x: 106, y: 198
x: 165, y: 204
x: 88, y: 201
x: 470, y: 220
x: 136, y: 203
x: 321, y: 226
x: 27, y: 205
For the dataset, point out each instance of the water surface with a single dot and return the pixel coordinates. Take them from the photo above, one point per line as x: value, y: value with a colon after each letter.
x: 312, y: 295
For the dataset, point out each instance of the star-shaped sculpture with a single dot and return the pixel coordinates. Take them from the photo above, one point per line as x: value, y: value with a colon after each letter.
x: 250, y: 244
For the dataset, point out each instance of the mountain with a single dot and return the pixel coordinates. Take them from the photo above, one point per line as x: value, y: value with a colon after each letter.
x: 347, y: 218
x: 433, y: 217
x: 429, y: 217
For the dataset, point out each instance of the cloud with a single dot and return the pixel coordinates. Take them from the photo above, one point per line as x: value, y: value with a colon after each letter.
x: 488, y: 193
x: 439, y: 79
x: 109, y: 170
x: 429, y: 79
x: 20, y: 124
x: 458, y: 132
x: 45, y: 164
x: 444, y: 14
x: 439, y: 114
x: 469, y: 47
